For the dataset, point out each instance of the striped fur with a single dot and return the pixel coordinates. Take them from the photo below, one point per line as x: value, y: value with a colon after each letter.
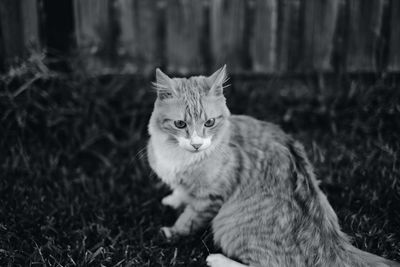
x: 254, y: 184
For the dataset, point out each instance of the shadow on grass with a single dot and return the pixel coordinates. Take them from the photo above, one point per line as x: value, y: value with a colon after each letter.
x: 76, y: 190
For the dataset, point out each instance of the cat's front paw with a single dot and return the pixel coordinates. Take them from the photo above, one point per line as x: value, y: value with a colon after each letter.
x: 217, y: 260
x: 168, y: 233
x: 172, y: 201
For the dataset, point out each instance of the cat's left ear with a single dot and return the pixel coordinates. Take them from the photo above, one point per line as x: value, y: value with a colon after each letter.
x: 216, y: 81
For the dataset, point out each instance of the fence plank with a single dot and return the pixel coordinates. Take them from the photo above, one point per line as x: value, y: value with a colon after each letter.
x: 19, y: 29
x: 263, y: 48
x: 185, y: 24
x: 394, y: 42
x: 319, y: 20
x: 30, y: 24
x: 365, y: 19
x: 12, y: 40
x: 138, y: 43
x: 280, y: 35
x: 93, y: 32
x: 227, y: 21
x: 288, y: 35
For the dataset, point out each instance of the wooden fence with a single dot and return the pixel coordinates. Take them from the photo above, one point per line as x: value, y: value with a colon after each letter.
x: 195, y: 36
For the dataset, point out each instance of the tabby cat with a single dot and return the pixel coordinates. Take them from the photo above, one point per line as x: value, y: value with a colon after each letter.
x: 247, y: 177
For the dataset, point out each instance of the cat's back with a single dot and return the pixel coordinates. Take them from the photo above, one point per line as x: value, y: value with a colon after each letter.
x: 253, y: 217
x: 250, y: 133
x: 277, y: 207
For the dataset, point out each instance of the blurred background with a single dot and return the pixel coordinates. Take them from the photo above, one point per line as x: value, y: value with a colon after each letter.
x: 183, y: 36
x: 75, y: 100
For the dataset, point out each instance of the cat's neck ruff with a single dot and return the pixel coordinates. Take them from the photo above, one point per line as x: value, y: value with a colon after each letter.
x: 170, y: 159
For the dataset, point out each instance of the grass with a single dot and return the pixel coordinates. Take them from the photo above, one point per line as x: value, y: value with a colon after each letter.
x: 76, y: 190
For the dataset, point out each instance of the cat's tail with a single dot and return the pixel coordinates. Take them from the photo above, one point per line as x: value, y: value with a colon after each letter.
x: 370, y: 259
x: 306, y: 187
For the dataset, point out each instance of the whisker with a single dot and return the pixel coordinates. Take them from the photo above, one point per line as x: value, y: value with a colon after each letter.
x: 226, y: 86
x: 205, y: 246
x: 141, y: 153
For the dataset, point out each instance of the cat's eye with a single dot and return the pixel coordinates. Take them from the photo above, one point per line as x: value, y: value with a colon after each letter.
x: 209, y: 123
x: 180, y: 124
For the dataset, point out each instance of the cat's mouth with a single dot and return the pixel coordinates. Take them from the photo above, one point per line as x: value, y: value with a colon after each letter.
x: 194, y: 147
x: 198, y: 150
x: 194, y: 150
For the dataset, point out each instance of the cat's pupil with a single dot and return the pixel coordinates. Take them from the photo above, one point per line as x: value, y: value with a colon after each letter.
x: 180, y: 124
x: 209, y: 123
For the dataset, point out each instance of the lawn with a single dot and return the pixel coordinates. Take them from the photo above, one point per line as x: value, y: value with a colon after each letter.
x: 76, y: 189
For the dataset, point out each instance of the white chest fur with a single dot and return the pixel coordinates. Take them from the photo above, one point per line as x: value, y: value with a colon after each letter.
x: 168, y: 161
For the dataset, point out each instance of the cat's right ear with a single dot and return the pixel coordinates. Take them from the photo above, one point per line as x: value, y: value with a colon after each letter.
x: 164, y: 85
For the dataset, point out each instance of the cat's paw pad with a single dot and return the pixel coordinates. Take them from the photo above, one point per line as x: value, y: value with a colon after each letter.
x: 217, y: 260
x: 166, y: 232
x: 171, y: 201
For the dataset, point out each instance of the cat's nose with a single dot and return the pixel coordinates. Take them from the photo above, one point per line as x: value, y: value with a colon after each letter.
x: 196, y: 146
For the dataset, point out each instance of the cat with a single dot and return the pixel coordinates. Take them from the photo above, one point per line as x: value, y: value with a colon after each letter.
x: 246, y: 177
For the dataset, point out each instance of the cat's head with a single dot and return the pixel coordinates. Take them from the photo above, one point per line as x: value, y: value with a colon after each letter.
x: 190, y: 113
